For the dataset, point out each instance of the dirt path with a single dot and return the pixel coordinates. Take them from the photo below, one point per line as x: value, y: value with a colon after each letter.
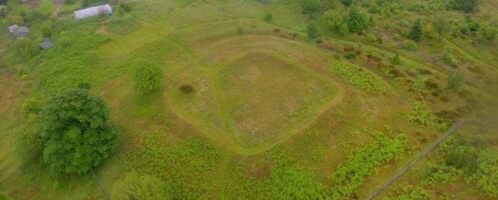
x: 417, y: 158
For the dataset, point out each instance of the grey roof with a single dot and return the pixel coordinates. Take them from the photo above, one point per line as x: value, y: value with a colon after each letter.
x: 46, y: 44
x: 20, y: 31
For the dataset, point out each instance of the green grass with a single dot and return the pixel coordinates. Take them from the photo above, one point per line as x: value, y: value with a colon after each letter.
x: 272, y: 115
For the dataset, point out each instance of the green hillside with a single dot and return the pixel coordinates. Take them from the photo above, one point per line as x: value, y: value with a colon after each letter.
x: 249, y: 99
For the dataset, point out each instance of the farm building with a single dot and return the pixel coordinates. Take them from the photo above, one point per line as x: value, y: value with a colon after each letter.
x: 93, y: 11
x: 19, y: 31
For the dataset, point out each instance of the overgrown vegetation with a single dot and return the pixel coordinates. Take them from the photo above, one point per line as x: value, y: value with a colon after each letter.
x: 359, y: 77
x: 148, y: 78
x: 351, y: 174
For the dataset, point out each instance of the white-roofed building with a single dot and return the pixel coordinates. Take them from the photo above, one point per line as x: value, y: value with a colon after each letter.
x: 93, y: 11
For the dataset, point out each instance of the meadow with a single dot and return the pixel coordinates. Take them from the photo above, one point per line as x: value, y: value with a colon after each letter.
x: 280, y: 100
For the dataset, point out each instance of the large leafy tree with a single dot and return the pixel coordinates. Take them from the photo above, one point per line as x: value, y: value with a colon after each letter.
x: 75, y: 133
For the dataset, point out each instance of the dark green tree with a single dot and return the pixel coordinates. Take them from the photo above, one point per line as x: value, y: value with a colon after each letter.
x: 416, y: 33
x: 148, y: 79
x: 310, y: 6
x: 467, y: 6
x: 312, y: 30
x: 356, y: 20
x: 75, y: 134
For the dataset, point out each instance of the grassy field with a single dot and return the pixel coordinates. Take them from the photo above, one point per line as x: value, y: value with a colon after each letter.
x: 272, y: 113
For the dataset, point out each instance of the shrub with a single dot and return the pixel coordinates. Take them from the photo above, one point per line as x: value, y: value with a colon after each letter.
x: 347, y: 3
x: 467, y: 6
x: 488, y: 32
x: 463, y: 158
x: 75, y: 133
x: 356, y: 20
x: 421, y: 115
x: 455, y: 81
x: 410, y: 45
x: 289, y: 181
x: 123, y: 25
x: 441, y: 25
x: 359, y: 77
x: 187, y: 89
x: 310, y: 6
x: 396, y: 59
x: 268, y: 17
x: 416, y: 193
x: 350, y: 175
x: 148, y: 79
x: 87, y: 3
x: 135, y: 186
x: 449, y: 59
x: 26, y: 48
x: 312, y: 31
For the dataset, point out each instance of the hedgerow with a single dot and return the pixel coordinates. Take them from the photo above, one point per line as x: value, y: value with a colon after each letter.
x: 359, y: 77
x: 350, y: 175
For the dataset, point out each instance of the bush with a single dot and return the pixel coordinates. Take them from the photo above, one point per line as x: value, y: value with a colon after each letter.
x: 26, y: 48
x: 289, y: 181
x: 359, y: 77
x: 144, y: 187
x: 312, y: 31
x: 488, y: 32
x: 350, y: 174
x: 148, y: 79
x: 396, y: 59
x: 310, y: 6
x: 467, y: 6
x: 75, y: 133
x: 87, y: 3
x: 449, y: 59
x: 356, y: 20
x: 187, y: 89
x: 268, y: 17
x: 455, y: 81
x: 416, y: 193
x: 465, y: 159
x: 421, y: 115
x: 410, y: 45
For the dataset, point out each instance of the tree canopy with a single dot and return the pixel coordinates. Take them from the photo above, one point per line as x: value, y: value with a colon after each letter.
x: 75, y: 133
